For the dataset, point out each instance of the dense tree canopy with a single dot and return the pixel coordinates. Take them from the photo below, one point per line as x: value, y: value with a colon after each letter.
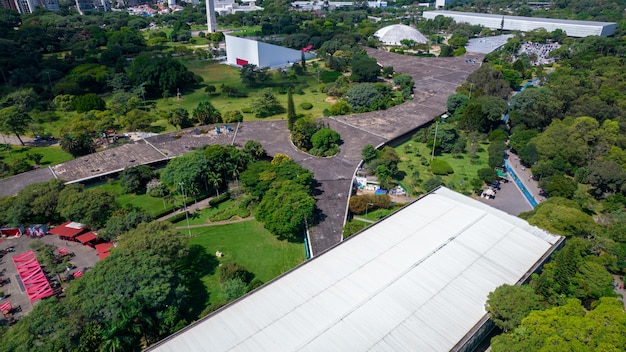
x: 136, y: 297
x: 508, y: 305
x: 569, y: 327
x: 161, y: 74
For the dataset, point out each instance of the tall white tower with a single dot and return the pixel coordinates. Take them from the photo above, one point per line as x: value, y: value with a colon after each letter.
x: 210, y: 16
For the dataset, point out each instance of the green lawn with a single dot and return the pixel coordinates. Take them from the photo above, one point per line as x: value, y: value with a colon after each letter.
x: 412, y: 154
x: 250, y: 245
x: 51, y: 155
x: 142, y: 201
x: 200, y: 217
x: 217, y: 74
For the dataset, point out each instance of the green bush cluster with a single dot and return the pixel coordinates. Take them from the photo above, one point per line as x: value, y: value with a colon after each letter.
x: 441, y: 167
x: 306, y: 106
x: 359, y: 204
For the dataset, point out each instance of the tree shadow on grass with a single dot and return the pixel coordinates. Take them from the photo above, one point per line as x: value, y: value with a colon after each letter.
x: 198, y: 264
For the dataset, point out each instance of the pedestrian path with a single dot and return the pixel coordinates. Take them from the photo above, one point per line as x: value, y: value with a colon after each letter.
x: 525, y: 181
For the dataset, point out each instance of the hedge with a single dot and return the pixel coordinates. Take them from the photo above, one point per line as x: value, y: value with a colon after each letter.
x: 441, y: 167
x: 219, y: 199
x: 306, y: 106
x: 178, y: 217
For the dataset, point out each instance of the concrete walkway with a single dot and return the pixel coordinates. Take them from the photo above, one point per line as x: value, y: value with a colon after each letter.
x: 525, y: 176
x: 191, y: 207
x: 359, y: 218
x: 620, y: 290
x: 216, y: 223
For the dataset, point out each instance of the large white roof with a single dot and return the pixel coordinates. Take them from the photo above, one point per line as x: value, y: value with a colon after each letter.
x: 394, y: 34
x: 416, y: 281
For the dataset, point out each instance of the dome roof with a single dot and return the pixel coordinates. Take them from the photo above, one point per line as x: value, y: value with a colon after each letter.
x: 392, y: 35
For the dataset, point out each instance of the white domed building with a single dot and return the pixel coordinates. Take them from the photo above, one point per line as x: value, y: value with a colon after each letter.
x: 392, y: 35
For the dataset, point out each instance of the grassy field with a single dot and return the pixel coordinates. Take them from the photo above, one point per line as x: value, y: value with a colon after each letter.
x: 250, y: 245
x: 142, y: 201
x: 217, y: 74
x: 413, y: 154
x: 51, y: 155
x: 200, y: 217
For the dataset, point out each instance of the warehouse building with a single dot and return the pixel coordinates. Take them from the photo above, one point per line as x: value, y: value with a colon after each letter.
x: 517, y: 23
x: 416, y: 281
x: 241, y: 51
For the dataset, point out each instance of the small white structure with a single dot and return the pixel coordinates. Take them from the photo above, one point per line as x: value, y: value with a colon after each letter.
x: 394, y: 34
x: 416, y: 281
x: 241, y: 51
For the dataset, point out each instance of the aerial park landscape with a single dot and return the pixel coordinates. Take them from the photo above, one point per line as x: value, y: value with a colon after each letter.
x: 135, y: 131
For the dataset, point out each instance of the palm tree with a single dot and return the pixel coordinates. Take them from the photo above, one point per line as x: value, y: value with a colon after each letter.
x: 215, y: 179
x: 207, y: 114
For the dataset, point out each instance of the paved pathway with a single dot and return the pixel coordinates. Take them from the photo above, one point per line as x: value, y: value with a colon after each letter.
x: 620, y: 290
x: 435, y: 79
x: 191, y: 207
x: 525, y: 176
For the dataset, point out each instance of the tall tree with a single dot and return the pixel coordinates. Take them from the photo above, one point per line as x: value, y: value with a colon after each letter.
x: 179, y: 117
x: 508, y: 305
x: 78, y: 145
x: 205, y: 113
x: 14, y: 120
x: 291, y: 110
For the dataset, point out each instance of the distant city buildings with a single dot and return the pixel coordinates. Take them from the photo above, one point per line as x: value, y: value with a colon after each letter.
x: 315, y: 5
x: 29, y: 6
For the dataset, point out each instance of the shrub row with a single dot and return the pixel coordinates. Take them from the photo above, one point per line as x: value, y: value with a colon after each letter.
x: 219, y: 199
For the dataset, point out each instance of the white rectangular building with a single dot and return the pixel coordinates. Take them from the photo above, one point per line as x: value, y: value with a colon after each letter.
x: 517, y: 23
x: 241, y: 51
x: 416, y: 281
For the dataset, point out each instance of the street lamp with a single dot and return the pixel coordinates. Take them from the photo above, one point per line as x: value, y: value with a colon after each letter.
x: 182, y: 189
x: 366, y: 206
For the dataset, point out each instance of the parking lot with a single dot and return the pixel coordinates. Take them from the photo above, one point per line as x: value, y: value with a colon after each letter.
x: 14, y: 292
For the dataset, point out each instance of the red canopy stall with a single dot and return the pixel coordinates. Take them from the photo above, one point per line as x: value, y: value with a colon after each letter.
x: 34, y: 279
x: 68, y: 230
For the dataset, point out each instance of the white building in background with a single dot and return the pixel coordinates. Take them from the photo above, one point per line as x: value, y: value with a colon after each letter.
x: 517, y: 23
x: 416, y: 281
x: 440, y: 4
x: 394, y: 34
x: 241, y: 51
x: 227, y: 7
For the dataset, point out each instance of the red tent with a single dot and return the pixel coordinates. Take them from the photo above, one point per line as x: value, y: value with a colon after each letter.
x: 104, y: 247
x: 86, y: 237
x: 5, y: 308
x: 34, y: 279
x: 68, y: 230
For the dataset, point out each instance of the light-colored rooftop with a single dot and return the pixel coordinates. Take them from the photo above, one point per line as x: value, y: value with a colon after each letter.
x: 415, y: 281
x: 394, y: 34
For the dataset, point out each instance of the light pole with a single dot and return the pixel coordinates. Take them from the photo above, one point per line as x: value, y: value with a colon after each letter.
x: 182, y: 189
x: 435, y: 140
x: 367, y: 206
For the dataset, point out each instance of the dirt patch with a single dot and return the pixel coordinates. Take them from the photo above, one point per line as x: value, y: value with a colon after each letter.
x: 331, y: 100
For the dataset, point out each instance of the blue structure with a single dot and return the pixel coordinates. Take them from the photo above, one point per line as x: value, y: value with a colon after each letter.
x: 520, y: 185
